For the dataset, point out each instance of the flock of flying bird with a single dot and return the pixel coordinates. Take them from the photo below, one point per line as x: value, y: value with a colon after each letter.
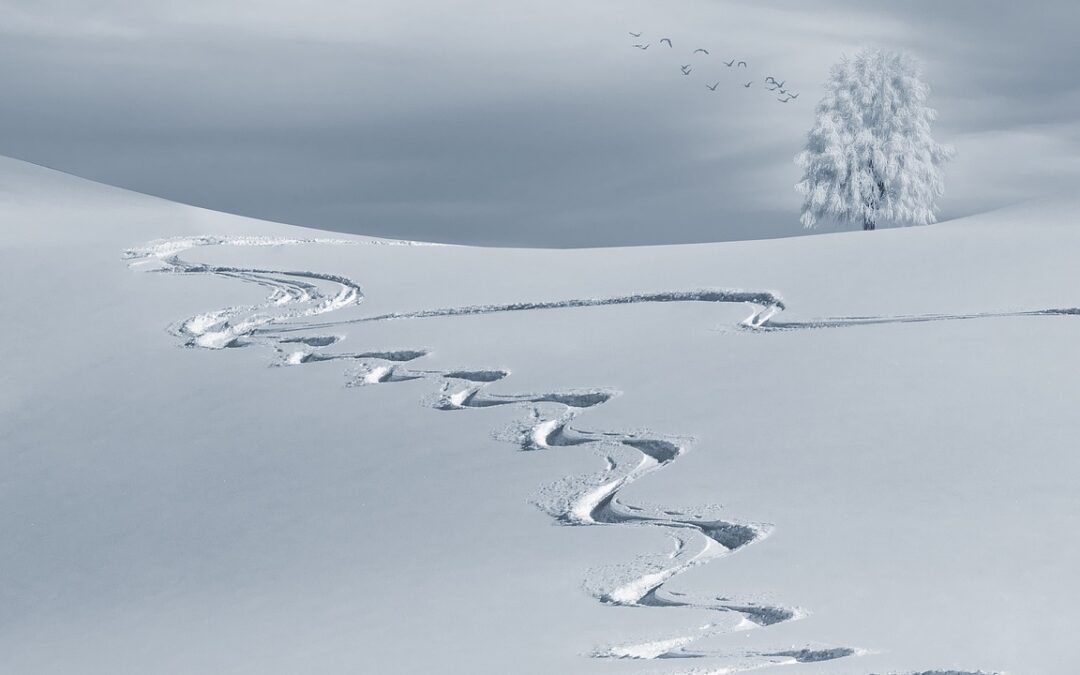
x: 771, y: 83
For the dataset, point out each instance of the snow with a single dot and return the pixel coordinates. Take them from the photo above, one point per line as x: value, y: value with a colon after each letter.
x: 193, y: 484
x: 646, y: 650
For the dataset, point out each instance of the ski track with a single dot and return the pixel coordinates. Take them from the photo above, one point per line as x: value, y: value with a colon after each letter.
x: 295, y: 298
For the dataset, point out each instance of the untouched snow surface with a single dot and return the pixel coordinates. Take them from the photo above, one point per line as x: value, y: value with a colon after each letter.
x: 233, y: 446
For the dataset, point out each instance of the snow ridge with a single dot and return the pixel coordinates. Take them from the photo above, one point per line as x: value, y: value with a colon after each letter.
x: 295, y: 298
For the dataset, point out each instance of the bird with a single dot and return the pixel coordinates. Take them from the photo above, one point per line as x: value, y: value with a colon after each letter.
x: 742, y: 64
x: 729, y: 63
x: 747, y: 85
x: 712, y: 87
x: 645, y: 46
x: 686, y: 70
x: 781, y: 90
x: 793, y: 96
x: 771, y: 85
x: 633, y: 34
x: 783, y: 100
x: 775, y: 81
x: 667, y: 40
x: 703, y: 51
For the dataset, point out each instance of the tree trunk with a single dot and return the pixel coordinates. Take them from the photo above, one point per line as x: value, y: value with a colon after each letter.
x: 867, y: 224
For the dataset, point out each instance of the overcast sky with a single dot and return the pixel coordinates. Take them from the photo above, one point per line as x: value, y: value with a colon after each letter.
x: 516, y: 122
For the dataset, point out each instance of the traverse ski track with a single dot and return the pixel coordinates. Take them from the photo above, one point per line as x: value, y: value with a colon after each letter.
x: 849, y: 321
x: 295, y: 298
x: 768, y: 303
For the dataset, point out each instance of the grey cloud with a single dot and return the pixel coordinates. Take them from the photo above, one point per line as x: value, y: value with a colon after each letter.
x: 505, y: 123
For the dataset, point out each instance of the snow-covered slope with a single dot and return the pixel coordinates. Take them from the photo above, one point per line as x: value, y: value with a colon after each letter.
x: 233, y: 446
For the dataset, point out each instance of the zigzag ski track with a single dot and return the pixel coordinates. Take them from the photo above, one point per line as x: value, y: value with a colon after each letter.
x: 291, y: 323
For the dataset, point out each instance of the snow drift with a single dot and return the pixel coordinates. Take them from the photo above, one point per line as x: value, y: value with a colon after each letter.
x: 236, y: 446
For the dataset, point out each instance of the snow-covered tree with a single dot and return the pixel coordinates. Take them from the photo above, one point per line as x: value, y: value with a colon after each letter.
x: 870, y: 157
